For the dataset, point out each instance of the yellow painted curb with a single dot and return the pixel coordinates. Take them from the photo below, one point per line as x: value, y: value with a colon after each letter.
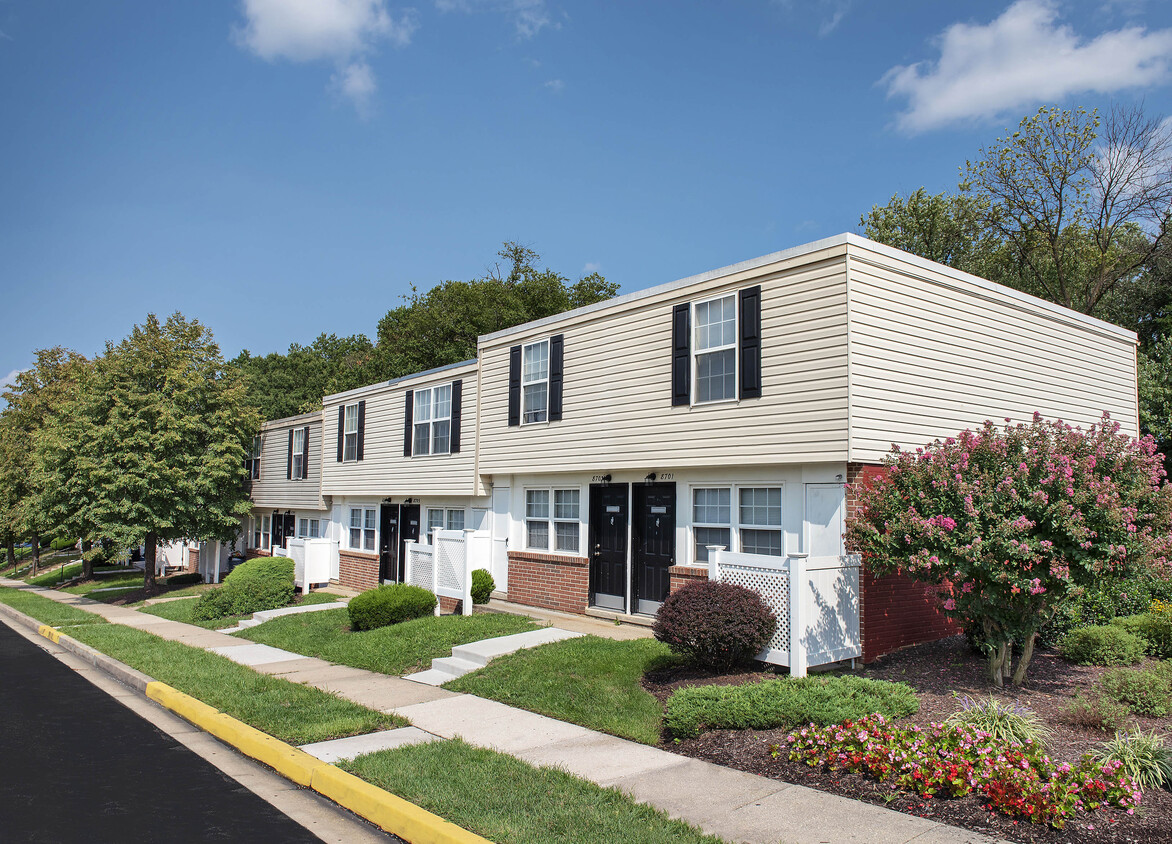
x: 49, y: 633
x: 185, y: 706
x: 388, y: 812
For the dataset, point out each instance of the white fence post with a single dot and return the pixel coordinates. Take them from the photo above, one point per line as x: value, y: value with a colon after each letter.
x: 431, y: 538
x: 714, y: 554
x: 466, y: 601
x: 798, y: 586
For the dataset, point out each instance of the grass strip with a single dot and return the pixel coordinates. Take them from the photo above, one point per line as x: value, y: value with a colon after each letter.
x: 55, y: 575
x: 45, y: 610
x: 398, y: 649
x: 130, y: 580
x: 183, y: 610
x: 524, y: 805
x: 293, y: 713
x: 589, y: 681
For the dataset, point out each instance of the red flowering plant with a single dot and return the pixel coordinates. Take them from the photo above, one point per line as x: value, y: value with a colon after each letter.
x: 945, y: 760
x: 1010, y: 523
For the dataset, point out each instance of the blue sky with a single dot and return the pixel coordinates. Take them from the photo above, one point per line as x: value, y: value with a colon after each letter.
x: 280, y: 168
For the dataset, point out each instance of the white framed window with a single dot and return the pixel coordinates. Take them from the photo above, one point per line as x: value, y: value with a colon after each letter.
x: 263, y: 534
x: 553, y: 514
x: 455, y: 520
x: 535, y: 382
x: 435, y: 521
x: 308, y: 528
x: 362, y: 527
x: 714, y: 344
x: 252, y: 462
x: 298, y: 454
x: 753, y: 526
x: 350, y: 433
x: 432, y: 418
x: 441, y: 519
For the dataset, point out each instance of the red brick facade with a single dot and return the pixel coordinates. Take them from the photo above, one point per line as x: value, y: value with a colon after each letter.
x: 895, y: 610
x: 683, y: 575
x: 543, y: 580
x: 357, y: 570
x: 192, y: 559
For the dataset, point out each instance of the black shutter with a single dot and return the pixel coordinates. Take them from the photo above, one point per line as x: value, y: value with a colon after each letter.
x: 361, y: 427
x: 556, y: 354
x: 305, y: 455
x: 515, y: 385
x: 341, y: 431
x: 289, y: 464
x: 750, y: 343
x: 681, y: 363
x: 457, y: 405
x: 408, y: 420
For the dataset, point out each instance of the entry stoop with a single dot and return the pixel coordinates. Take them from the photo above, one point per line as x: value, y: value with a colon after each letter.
x: 474, y: 655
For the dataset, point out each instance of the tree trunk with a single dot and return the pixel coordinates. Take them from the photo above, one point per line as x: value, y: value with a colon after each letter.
x: 997, y: 660
x: 10, y: 551
x: 36, y: 549
x: 1027, y: 653
x: 87, y: 560
x: 152, y: 550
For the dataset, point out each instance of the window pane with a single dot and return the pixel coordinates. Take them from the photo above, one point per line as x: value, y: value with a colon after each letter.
x: 422, y: 405
x: 422, y: 440
x: 440, y: 440
x: 303, y: 527
x: 443, y: 402
x: 566, y: 536
x: 351, y: 419
x: 369, y: 540
x: 370, y: 519
x: 537, y: 503
x: 710, y: 536
x: 455, y: 520
x: 761, y: 506
x: 761, y: 542
x: 265, y: 524
x: 351, y: 450
x: 716, y: 376
x: 534, y: 402
x: 565, y: 504
x: 355, y: 518
x: 538, y: 535
x: 716, y: 323
x: 712, y: 506
x: 314, y: 526
x: 435, y: 519
x: 298, y: 465
x: 535, y: 364
x: 355, y: 537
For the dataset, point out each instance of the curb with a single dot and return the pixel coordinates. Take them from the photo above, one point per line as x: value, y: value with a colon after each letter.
x: 387, y: 811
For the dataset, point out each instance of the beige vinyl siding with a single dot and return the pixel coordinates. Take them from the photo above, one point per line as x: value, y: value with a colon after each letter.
x: 273, y: 488
x: 617, y: 410
x: 934, y: 352
x: 384, y: 471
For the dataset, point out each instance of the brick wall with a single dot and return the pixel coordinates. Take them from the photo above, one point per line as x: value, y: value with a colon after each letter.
x: 896, y: 611
x: 192, y: 559
x: 543, y: 580
x: 358, y: 571
x: 683, y: 575
x: 257, y: 552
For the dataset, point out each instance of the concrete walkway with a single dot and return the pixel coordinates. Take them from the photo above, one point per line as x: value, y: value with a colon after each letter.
x: 733, y: 805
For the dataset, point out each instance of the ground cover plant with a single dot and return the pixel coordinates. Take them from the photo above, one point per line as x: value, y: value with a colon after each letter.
x: 263, y: 583
x: 714, y: 625
x: 399, y: 649
x: 1011, y: 524
x: 952, y: 760
x: 524, y: 805
x: 389, y: 604
x: 783, y: 702
x: 589, y: 680
x: 1003, y: 722
x: 1143, y: 757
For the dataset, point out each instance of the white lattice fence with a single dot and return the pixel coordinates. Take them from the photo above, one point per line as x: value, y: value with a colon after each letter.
x: 444, y: 567
x: 419, y: 569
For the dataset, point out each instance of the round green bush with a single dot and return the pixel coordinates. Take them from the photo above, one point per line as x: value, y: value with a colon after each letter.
x: 1146, y: 692
x: 482, y: 586
x: 1105, y: 644
x: 263, y: 583
x: 62, y: 544
x: 714, y: 625
x: 1154, y: 628
x: 389, y: 604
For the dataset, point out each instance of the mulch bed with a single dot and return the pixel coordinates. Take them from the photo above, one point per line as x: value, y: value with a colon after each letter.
x: 941, y: 672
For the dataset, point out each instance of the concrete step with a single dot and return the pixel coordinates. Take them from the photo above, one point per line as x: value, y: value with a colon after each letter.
x: 454, y: 666
x: 430, y: 677
x: 486, y: 650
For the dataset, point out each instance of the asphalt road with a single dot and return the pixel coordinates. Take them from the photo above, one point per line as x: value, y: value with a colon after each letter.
x: 77, y: 766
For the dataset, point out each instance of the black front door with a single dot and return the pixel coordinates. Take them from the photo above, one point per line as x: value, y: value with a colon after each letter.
x: 608, y: 546
x: 284, y: 527
x: 388, y: 543
x: 408, y: 532
x: 653, y: 537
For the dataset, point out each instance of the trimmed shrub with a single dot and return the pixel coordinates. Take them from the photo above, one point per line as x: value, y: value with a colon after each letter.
x: 1155, y: 628
x: 1143, y: 756
x: 1109, y: 596
x: 790, y: 702
x: 389, y: 604
x: 185, y: 579
x: 62, y: 544
x: 482, y: 586
x: 265, y: 583
x: 1103, y: 644
x: 714, y: 625
x: 1005, y: 722
x: 1097, y: 712
x: 1146, y: 691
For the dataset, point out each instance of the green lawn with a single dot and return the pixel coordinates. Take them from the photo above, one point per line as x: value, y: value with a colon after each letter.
x: 182, y: 610
x: 51, y: 576
x: 589, y: 681
x: 524, y: 805
x: 398, y: 649
x: 129, y: 580
x: 45, y: 610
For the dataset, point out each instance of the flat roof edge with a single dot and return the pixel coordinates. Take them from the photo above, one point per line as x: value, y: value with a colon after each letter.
x: 368, y: 388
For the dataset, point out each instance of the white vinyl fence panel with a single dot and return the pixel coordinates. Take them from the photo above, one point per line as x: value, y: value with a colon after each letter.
x: 444, y: 567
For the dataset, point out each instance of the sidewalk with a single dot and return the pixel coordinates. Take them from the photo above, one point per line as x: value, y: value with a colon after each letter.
x: 733, y: 805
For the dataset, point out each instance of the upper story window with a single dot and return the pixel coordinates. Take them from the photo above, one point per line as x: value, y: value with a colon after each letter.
x: 433, y: 420
x: 535, y: 382
x: 252, y: 462
x: 350, y: 434
x: 298, y: 454
x: 715, y: 349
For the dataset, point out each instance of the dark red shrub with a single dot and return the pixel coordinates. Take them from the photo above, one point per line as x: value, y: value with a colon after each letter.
x: 715, y: 625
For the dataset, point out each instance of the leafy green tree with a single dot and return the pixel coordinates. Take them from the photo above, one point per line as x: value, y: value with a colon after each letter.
x: 159, y: 436
x: 1011, y: 524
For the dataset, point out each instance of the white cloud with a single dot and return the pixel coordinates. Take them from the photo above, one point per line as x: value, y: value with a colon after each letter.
x: 556, y: 85
x: 529, y: 17
x: 9, y: 380
x: 341, y: 31
x: 1023, y: 57
x: 832, y: 12
x: 591, y: 267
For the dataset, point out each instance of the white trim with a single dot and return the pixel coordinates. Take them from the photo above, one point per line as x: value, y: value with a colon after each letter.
x: 336, y: 398
x: 536, y: 381
x: 551, y: 519
x: 299, y: 454
x: 431, y: 420
x: 695, y: 351
x: 346, y: 432
x: 734, y: 525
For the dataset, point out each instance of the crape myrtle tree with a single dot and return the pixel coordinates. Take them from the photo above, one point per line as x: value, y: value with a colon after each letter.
x: 1009, y: 523
x: 160, y: 437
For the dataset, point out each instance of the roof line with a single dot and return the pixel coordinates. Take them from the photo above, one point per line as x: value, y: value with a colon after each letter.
x: 383, y: 384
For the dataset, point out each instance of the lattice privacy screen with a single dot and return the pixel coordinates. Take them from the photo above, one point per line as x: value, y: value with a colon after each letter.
x: 419, y: 566
x: 772, y: 584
